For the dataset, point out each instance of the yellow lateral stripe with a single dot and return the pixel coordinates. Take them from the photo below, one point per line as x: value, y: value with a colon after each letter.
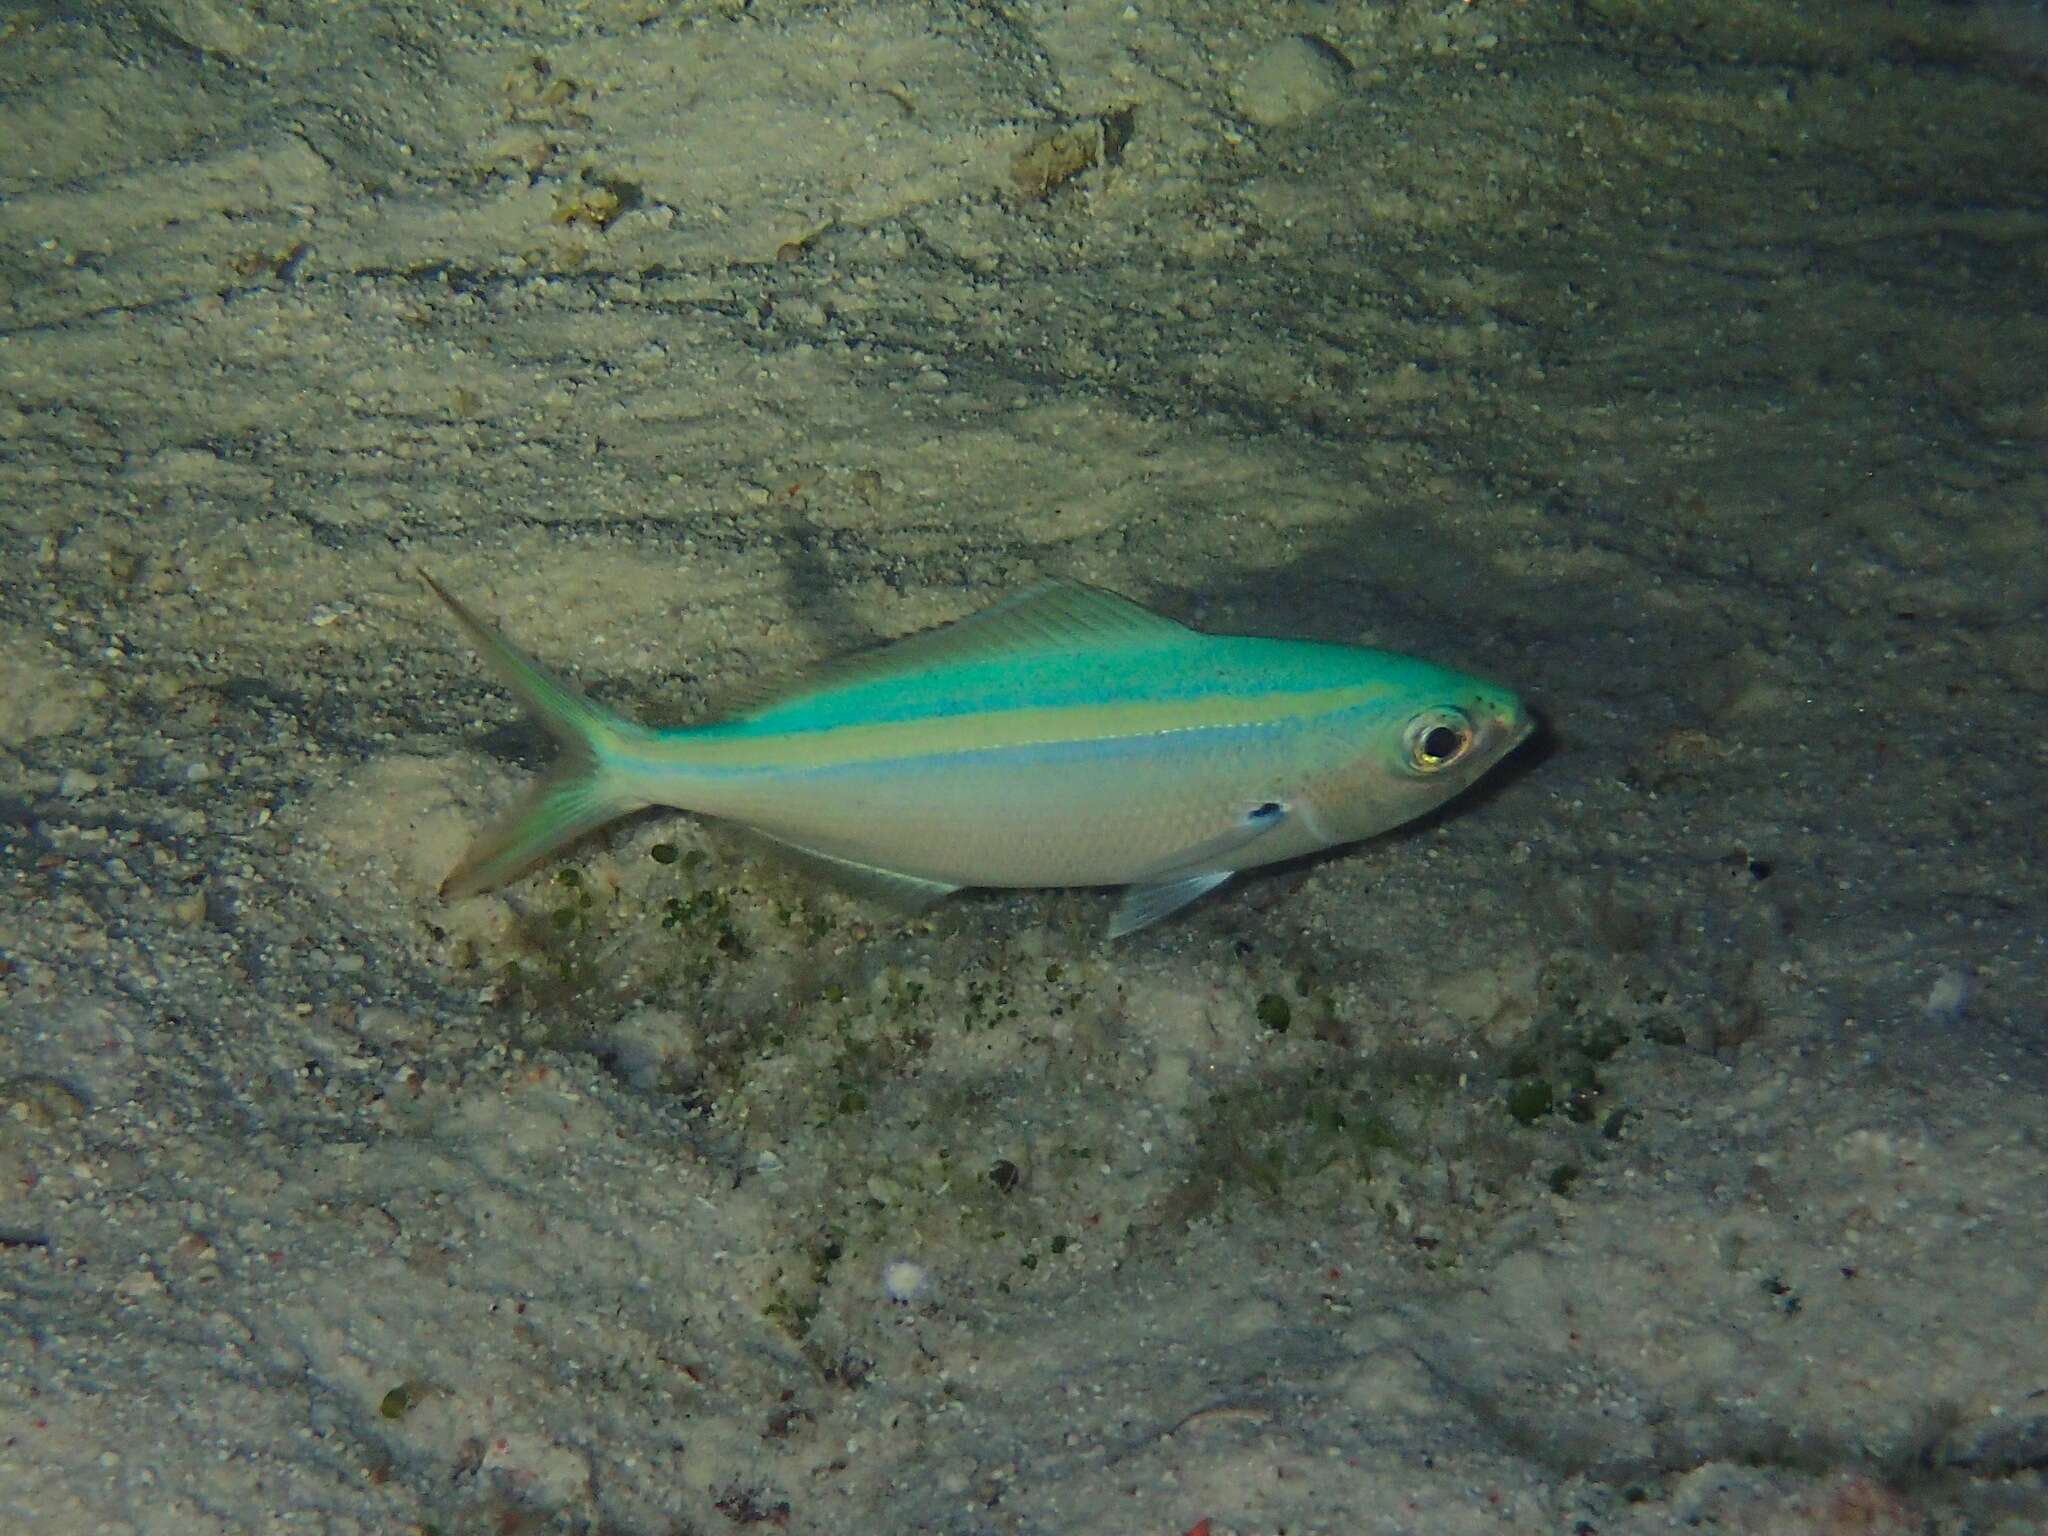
x: 990, y: 730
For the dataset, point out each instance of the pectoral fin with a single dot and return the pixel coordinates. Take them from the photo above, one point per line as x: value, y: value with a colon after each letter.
x: 1144, y: 905
x: 1194, y: 872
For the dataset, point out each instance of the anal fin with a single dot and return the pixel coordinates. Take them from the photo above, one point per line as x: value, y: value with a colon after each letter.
x: 893, y: 888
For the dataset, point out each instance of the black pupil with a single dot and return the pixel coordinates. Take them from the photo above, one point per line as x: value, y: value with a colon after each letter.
x: 1441, y: 742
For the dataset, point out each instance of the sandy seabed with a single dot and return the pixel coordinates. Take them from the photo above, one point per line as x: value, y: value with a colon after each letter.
x: 1657, y: 1140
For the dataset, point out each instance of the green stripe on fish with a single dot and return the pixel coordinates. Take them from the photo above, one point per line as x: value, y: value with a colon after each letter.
x: 1064, y: 736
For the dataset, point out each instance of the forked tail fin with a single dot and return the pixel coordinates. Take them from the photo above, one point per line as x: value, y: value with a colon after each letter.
x: 580, y: 793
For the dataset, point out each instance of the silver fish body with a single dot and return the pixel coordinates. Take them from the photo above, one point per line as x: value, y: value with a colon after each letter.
x: 1066, y: 736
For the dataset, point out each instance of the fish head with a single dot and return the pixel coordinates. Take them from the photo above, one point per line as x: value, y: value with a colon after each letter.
x: 1424, y: 740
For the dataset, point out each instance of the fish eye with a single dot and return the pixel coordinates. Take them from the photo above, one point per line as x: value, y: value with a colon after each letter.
x: 1438, y: 739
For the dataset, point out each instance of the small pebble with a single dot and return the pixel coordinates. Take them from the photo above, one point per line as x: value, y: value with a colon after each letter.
x: 904, y: 1282
x: 1949, y: 995
x: 1291, y: 79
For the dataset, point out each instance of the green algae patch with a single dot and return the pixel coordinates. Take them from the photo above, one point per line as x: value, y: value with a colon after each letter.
x: 993, y: 1093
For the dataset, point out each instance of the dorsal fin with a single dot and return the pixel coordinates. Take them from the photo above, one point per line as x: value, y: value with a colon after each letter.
x: 1050, y: 617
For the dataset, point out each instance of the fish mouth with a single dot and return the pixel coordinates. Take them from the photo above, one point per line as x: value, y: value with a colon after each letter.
x: 1513, y: 725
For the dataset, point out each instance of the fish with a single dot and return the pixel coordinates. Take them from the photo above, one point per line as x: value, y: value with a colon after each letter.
x: 1064, y: 736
